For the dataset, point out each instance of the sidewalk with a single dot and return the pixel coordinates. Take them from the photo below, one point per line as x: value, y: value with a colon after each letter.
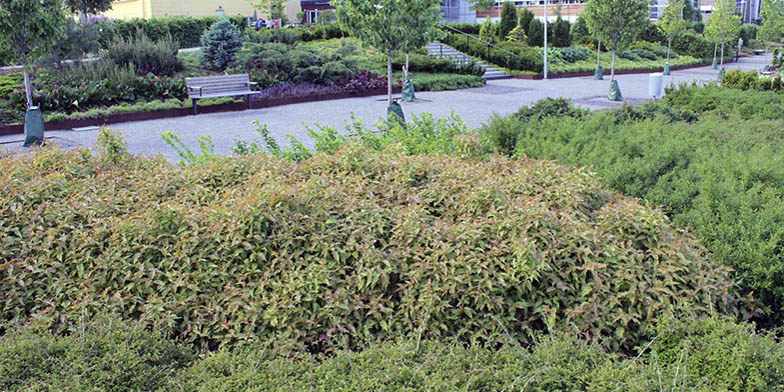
x: 474, y: 106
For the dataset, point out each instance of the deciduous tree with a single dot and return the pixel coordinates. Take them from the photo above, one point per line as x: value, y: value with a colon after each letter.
x: 616, y: 23
x: 388, y: 25
x: 29, y: 29
x: 772, y: 28
x: 723, y: 25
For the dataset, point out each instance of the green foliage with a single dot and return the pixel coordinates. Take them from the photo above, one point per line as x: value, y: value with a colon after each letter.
x: 748, y: 32
x: 580, y: 33
x: 185, y: 30
x: 672, y: 22
x: 772, y: 24
x: 446, y: 81
x: 517, y: 35
x: 574, y: 54
x: 535, y: 33
x: 703, y: 354
x: 272, y: 63
x: 105, y: 354
x: 718, y: 355
x: 508, y: 19
x: 145, y: 55
x: 264, y: 249
x: 725, y: 186
x: 89, y: 7
x: 524, y: 18
x: 526, y: 58
x: 29, y: 29
x: 752, y: 81
x: 562, y: 37
x: 299, y: 34
x: 111, y: 147
x: 488, y: 31
x: 220, y: 45
x: 206, y: 147
x: 724, y: 25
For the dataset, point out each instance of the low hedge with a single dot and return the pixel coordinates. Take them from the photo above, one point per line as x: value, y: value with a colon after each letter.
x: 751, y: 80
x: 524, y: 58
x: 341, y: 249
x: 109, y: 355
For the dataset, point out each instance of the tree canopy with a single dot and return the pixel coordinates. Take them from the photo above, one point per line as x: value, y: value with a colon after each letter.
x: 29, y: 29
x: 390, y: 25
x: 672, y: 23
x: 723, y: 25
x: 772, y: 28
x: 88, y: 7
x: 616, y: 23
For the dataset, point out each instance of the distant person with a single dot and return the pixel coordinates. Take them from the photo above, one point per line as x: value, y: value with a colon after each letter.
x: 260, y: 24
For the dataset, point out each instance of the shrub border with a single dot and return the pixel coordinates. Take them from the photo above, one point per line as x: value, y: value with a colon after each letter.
x: 540, y: 76
x: 16, y: 129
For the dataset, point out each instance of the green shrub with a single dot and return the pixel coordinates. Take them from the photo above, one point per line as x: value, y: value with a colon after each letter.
x: 691, y: 44
x: 561, y: 31
x: 751, y: 80
x: 524, y: 18
x: 508, y: 19
x: 748, y: 32
x: 719, y: 355
x: 714, y: 175
x: 272, y: 63
x: 574, y: 54
x: 104, y: 355
x: 645, y: 54
x: 445, y: 81
x: 145, y: 55
x: 220, y: 45
x: 236, y: 249
x: 703, y: 354
x: 488, y: 31
x: 468, y: 28
x: 580, y: 33
x: 535, y: 33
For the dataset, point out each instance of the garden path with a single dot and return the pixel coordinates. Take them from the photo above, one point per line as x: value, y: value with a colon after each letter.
x: 474, y: 106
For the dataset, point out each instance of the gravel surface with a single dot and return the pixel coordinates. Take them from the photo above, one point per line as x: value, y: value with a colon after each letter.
x: 474, y: 106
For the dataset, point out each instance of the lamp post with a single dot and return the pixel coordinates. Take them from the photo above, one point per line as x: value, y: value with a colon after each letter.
x: 545, y: 39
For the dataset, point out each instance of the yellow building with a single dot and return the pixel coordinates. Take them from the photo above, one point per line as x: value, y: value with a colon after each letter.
x: 128, y: 9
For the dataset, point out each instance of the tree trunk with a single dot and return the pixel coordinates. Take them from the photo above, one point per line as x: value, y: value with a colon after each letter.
x: 715, y: 49
x: 405, y: 70
x: 669, y: 45
x: 721, y: 63
x: 389, y: 76
x: 612, y: 69
x: 598, y: 51
x: 28, y: 88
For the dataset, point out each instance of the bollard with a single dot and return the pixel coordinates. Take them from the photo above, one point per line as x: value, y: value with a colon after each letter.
x: 655, y: 82
x: 33, y: 127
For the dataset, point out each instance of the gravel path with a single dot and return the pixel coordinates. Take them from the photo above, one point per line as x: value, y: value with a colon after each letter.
x: 474, y: 106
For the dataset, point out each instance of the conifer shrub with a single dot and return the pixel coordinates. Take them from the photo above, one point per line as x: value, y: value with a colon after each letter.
x: 220, y: 45
x: 144, y: 55
x: 338, y: 250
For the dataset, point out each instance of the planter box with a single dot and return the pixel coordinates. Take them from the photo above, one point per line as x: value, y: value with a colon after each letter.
x: 182, y: 112
x: 617, y: 72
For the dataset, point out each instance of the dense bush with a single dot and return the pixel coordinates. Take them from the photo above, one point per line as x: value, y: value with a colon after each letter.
x: 424, y: 63
x: 652, y: 33
x: 468, y: 28
x: 524, y: 18
x: 535, y: 33
x: 562, y: 33
x: 645, y: 54
x: 525, y: 58
x: 299, y: 34
x: 337, y: 250
x: 93, y: 85
x: 705, y: 355
x: 694, y: 45
x: 145, y: 55
x: 508, y: 19
x: 751, y: 80
x: 659, y: 50
x: 574, y: 54
x: 220, y: 45
x: 719, y: 175
x: 748, y: 32
x: 105, y: 355
x: 185, y: 30
x: 580, y: 33
x: 272, y: 63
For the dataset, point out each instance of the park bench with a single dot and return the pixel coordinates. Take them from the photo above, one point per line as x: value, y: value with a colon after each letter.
x: 219, y: 86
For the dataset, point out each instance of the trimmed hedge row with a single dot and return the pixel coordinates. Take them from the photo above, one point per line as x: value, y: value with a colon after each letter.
x: 187, y: 31
x: 341, y: 249
x: 109, y: 355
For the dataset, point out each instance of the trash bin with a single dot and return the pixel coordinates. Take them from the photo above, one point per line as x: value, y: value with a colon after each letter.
x: 655, y: 82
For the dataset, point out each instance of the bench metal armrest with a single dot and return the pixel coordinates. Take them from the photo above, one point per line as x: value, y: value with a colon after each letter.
x: 200, y: 88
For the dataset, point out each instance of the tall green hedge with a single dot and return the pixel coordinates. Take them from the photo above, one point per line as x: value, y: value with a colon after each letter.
x: 185, y: 30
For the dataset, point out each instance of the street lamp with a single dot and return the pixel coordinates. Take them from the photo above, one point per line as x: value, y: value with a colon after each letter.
x: 545, y: 39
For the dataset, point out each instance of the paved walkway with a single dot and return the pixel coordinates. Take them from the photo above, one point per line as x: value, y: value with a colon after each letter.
x: 474, y: 106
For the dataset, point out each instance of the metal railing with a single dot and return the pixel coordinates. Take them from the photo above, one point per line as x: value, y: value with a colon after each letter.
x: 471, y: 36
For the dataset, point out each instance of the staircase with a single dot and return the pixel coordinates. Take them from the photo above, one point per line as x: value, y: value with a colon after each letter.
x: 437, y: 49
